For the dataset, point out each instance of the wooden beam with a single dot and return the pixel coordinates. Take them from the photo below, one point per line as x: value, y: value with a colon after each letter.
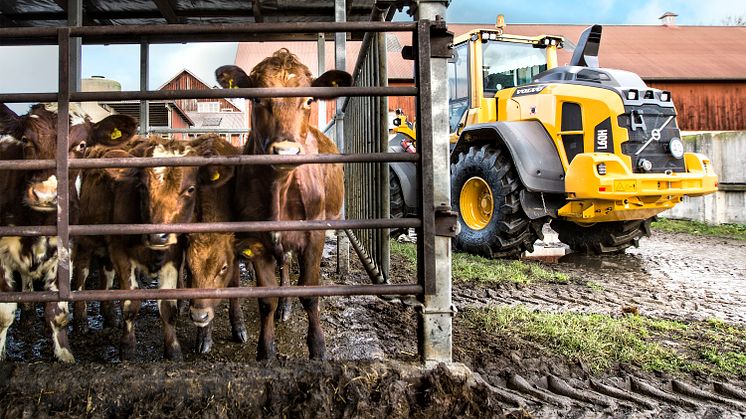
x: 256, y: 8
x: 164, y: 6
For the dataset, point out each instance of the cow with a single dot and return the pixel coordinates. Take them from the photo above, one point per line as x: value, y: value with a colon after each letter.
x: 210, y: 257
x: 280, y: 126
x: 34, y: 259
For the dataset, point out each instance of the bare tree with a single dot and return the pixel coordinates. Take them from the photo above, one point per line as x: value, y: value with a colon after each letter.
x: 734, y: 21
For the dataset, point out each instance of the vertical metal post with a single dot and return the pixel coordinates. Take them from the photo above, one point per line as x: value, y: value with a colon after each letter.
x: 321, y: 55
x: 340, y: 38
x: 383, y: 138
x: 63, y: 191
x: 75, y: 18
x: 434, y: 252
x: 144, y: 110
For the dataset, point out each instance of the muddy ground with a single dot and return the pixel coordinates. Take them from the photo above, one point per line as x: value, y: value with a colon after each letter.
x: 372, y: 345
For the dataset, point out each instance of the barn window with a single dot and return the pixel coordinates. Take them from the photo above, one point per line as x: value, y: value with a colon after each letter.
x: 208, y: 106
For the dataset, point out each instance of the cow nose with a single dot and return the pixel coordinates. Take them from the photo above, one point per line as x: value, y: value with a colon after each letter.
x: 45, y: 196
x: 158, y: 238
x: 285, y: 148
x: 199, y: 316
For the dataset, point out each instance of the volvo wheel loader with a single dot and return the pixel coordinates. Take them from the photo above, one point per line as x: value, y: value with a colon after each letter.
x: 594, y: 151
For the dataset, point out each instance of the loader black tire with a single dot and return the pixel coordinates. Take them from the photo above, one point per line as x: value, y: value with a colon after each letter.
x: 397, y: 206
x: 602, y: 238
x: 507, y: 232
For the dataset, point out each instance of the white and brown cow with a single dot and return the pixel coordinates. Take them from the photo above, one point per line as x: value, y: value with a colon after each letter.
x: 30, y: 198
x: 307, y: 192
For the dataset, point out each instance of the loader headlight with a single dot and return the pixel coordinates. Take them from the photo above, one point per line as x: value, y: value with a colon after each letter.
x: 601, y: 168
x: 632, y: 94
x: 676, y: 147
x: 665, y: 96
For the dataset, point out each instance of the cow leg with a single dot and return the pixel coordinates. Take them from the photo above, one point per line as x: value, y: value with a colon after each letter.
x: 28, y: 310
x: 57, y: 317
x: 127, y: 272
x: 310, y: 274
x: 168, y: 278
x: 7, y: 310
x: 182, y: 283
x: 264, y: 268
x: 107, y: 308
x: 81, y: 269
x: 284, y: 307
x: 238, y: 326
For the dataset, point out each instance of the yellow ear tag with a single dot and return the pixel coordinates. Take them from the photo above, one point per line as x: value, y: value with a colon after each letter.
x: 215, y: 176
x: 248, y: 253
x: 230, y: 83
x: 116, y: 134
x: 334, y: 83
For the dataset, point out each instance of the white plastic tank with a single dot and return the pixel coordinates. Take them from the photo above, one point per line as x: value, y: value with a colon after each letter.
x: 98, y: 84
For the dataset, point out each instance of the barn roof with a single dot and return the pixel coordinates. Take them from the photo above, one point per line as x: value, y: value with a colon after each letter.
x: 655, y: 52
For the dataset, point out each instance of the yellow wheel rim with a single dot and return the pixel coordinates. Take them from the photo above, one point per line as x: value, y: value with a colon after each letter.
x: 476, y: 203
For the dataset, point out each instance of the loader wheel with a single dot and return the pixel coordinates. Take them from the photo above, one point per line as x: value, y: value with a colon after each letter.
x: 602, y: 238
x: 485, y: 191
x: 397, y: 206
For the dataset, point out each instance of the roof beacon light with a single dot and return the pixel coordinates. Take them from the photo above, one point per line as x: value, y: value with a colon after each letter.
x: 500, y: 24
x: 485, y: 36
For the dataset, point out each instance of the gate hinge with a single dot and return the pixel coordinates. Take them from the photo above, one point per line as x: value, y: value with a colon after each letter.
x: 441, y: 39
x: 446, y: 222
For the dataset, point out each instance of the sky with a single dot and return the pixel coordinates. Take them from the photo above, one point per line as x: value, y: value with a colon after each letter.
x: 34, y: 69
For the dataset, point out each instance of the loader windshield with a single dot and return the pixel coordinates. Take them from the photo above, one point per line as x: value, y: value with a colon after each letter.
x: 506, y: 64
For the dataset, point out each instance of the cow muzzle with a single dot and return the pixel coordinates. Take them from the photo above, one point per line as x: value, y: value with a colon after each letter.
x: 42, y: 196
x: 160, y: 241
x: 286, y: 148
x: 201, y: 317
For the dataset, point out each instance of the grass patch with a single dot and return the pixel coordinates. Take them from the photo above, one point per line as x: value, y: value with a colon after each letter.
x: 601, y: 341
x: 594, y: 286
x: 471, y: 268
x: 731, y: 231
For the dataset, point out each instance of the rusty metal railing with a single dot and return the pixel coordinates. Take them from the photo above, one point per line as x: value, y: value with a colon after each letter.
x: 186, y: 33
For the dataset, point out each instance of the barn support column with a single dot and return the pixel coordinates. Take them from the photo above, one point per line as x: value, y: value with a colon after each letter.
x: 321, y: 68
x: 435, y: 325
x: 340, y: 39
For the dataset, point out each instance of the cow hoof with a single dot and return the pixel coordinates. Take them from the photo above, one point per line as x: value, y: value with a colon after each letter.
x: 240, y: 334
x: 64, y: 355
x: 203, y: 341
x: 174, y: 354
x: 126, y: 353
x: 284, y: 308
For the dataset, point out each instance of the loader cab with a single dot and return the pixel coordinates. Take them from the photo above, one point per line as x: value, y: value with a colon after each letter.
x: 486, y: 61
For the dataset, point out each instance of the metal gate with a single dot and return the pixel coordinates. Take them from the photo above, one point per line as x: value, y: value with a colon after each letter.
x: 369, y: 164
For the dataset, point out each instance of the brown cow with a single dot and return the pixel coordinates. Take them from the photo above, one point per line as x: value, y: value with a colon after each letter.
x: 34, y: 136
x: 210, y: 256
x: 305, y: 192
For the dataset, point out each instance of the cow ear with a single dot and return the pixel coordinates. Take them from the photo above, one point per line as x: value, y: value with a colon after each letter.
x: 113, y: 130
x: 333, y: 78
x: 249, y: 248
x: 232, y: 77
x: 119, y: 174
x: 10, y: 122
x: 215, y: 176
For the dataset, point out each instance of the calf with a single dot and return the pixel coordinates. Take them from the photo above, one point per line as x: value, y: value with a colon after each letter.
x: 283, y: 192
x: 34, y: 259
x: 210, y: 256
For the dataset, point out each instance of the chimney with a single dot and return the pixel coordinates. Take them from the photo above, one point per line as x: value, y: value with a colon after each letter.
x: 668, y: 19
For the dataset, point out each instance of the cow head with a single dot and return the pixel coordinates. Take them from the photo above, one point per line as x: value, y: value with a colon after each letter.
x: 36, y: 132
x: 211, y: 262
x: 167, y: 195
x: 280, y: 125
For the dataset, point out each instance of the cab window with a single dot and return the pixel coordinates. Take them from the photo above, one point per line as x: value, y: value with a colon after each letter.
x: 458, y: 86
x: 508, y: 65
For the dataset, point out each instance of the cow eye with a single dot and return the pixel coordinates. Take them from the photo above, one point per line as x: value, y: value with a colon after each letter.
x: 309, y: 101
x: 224, y: 269
x: 82, y: 146
x: 191, y: 189
x: 25, y: 140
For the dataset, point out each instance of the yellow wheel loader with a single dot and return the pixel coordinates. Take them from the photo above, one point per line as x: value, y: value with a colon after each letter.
x: 592, y: 150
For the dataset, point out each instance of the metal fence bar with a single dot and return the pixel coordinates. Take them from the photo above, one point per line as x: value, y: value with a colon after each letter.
x: 63, y: 192
x: 236, y: 292
x: 241, y: 93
